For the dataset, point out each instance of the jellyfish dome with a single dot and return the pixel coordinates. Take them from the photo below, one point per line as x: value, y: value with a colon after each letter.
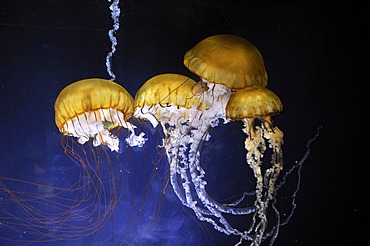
x: 252, y: 102
x: 164, y: 95
x: 227, y: 59
x: 90, y: 108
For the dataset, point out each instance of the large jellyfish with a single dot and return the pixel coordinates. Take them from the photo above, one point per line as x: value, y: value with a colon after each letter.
x: 93, y: 111
x: 237, y: 66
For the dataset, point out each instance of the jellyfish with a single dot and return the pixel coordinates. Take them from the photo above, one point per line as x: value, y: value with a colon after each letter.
x: 90, y: 108
x: 255, y: 106
x: 91, y: 115
x: 168, y: 99
x: 178, y: 104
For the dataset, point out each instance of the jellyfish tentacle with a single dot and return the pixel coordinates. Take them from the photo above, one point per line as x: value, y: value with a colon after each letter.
x: 197, y: 174
x: 255, y: 149
x: 176, y: 153
x: 176, y: 150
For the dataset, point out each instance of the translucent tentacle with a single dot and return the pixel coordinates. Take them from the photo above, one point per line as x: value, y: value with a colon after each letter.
x: 197, y: 175
x: 115, y: 12
x: 176, y: 153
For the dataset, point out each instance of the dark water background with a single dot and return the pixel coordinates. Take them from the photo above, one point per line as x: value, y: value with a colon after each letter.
x: 312, y: 55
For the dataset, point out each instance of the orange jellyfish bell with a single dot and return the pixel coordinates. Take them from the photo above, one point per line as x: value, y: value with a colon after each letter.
x: 253, y: 102
x: 229, y: 60
x: 164, y: 96
x: 166, y: 89
x: 90, y: 108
